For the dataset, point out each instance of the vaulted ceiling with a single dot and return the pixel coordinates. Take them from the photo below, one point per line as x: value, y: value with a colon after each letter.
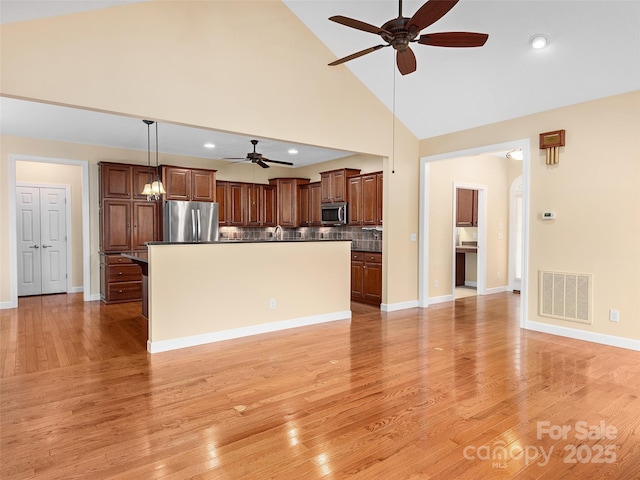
x: 594, y: 52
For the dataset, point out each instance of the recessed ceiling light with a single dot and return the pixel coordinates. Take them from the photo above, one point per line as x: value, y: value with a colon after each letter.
x: 539, y: 41
x: 292, y: 151
x: 209, y: 145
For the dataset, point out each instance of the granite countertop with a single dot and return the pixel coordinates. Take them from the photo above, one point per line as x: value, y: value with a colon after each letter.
x: 137, y: 257
x: 467, y: 247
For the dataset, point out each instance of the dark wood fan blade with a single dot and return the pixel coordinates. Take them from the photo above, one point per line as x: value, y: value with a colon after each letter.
x: 277, y: 161
x: 356, y: 55
x: 406, y: 61
x: 454, y: 39
x: 357, y: 24
x: 261, y: 163
x: 429, y: 13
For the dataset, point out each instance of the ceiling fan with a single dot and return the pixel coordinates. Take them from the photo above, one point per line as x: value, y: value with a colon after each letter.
x: 257, y: 158
x: 401, y: 31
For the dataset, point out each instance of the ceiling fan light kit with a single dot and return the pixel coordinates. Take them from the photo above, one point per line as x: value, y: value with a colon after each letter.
x: 258, y: 159
x: 401, y: 31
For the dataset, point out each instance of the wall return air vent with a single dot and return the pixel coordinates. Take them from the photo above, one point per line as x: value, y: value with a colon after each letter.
x: 566, y: 296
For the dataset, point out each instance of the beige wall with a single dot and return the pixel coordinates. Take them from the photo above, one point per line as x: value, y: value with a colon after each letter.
x: 214, y: 293
x: 49, y: 174
x: 488, y: 170
x: 193, y: 74
x: 595, y: 192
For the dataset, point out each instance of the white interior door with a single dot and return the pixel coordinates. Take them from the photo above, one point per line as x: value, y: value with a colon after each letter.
x: 42, y: 240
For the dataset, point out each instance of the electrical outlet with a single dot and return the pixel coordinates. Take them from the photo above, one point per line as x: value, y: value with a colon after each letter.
x: 414, y: 237
x: 436, y: 283
x: 272, y: 303
x: 614, y: 315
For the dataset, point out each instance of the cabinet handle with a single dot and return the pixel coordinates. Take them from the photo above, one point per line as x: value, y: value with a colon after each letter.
x: 119, y: 291
x: 119, y: 273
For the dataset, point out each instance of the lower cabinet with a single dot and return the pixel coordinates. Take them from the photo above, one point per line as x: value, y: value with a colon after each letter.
x: 120, y: 279
x: 366, y: 277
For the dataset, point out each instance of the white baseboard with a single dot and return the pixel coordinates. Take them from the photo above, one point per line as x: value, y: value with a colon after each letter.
x: 94, y: 297
x: 576, y: 334
x: 392, y: 307
x: 192, y: 341
x: 79, y: 289
x: 469, y: 283
x: 442, y: 299
x: 491, y: 291
x: 6, y: 305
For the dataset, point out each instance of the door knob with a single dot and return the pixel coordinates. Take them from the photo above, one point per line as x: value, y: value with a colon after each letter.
x: 34, y: 246
x: 47, y: 246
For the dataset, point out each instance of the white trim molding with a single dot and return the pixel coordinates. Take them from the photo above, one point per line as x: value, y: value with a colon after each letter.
x: 194, y: 340
x: 393, y: 307
x: 577, y: 334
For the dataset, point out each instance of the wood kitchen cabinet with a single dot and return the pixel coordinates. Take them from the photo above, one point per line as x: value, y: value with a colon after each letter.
x: 310, y: 204
x: 288, y: 203
x: 366, y: 277
x: 466, y: 207
x: 235, y: 204
x: 365, y: 199
x: 334, y: 184
x: 127, y: 222
x: 261, y: 205
x: 189, y: 184
x: 120, y: 279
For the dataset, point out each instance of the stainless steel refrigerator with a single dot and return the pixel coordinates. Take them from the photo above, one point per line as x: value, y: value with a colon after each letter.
x: 190, y: 222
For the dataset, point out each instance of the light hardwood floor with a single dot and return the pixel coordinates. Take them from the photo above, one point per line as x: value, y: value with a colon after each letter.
x: 456, y: 390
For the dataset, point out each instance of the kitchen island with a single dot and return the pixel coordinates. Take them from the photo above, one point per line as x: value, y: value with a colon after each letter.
x: 206, y: 292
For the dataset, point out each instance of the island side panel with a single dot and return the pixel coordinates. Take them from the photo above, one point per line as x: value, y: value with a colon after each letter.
x: 198, y: 290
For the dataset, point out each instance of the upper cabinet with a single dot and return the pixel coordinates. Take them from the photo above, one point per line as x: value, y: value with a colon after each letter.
x: 287, y: 192
x: 335, y: 184
x: 246, y: 204
x: 466, y: 207
x: 309, y: 201
x: 189, y: 184
x: 365, y: 199
x: 261, y: 205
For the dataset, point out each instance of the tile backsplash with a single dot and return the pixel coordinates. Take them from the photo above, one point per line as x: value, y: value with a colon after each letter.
x: 366, y: 239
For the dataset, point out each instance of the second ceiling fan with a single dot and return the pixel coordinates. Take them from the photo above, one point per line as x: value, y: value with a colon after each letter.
x: 258, y: 159
x: 401, y: 31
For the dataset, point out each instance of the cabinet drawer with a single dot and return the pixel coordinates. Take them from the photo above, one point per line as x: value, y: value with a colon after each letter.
x: 117, y: 260
x: 124, y: 273
x: 357, y: 256
x: 373, y: 258
x: 124, y: 292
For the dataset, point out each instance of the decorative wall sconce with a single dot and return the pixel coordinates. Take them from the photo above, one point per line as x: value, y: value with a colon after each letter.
x: 551, y: 141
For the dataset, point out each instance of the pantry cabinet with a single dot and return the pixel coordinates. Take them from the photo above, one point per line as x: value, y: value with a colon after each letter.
x: 127, y: 221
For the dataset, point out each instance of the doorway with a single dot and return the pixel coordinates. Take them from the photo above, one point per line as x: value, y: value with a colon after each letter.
x: 469, y: 239
x: 42, y: 233
x: 427, y: 284
x: 84, y: 238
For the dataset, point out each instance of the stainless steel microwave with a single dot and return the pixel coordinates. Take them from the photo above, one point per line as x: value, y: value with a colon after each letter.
x: 334, y: 213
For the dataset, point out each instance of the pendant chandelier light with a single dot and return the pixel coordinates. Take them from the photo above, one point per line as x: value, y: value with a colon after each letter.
x: 152, y: 189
